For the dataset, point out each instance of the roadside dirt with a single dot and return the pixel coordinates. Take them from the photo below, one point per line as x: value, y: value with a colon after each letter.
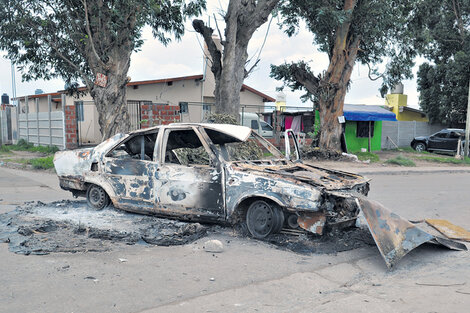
x: 70, y: 226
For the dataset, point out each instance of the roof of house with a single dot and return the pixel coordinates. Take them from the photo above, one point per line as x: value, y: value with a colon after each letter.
x: 406, y: 108
x: 360, y: 112
x: 265, y: 97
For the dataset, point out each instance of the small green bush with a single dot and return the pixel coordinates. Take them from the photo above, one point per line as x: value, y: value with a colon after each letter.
x: 23, y: 145
x: 364, y: 156
x: 401, y: 160
x: 42, y: 163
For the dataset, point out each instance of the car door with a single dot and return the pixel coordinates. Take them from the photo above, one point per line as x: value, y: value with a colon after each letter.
x: 129, y: 168
x: 438, y: 140
x: 188, y: 181
x: 452, y: 141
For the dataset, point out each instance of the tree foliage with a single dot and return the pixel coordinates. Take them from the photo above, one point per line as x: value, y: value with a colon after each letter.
x: 443, y: 37
x: 348, y: 31
x: 77, y: 39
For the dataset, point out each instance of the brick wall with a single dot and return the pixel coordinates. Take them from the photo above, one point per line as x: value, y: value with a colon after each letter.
x: 71, y: 140
x: 159, y: 114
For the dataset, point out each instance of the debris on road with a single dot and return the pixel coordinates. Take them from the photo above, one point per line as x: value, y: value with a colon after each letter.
x: 395, y: 236
x: 43, y: 228
x: 449, y: 230
x: 214, y: 246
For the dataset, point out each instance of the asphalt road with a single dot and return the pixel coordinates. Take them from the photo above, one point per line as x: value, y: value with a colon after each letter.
x: 249, y: 276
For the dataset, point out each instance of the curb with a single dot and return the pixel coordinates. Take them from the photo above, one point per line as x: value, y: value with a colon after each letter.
x: 407, y: 171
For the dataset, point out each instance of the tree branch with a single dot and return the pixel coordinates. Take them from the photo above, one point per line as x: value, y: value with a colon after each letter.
x: 216, y: 55
x: 218, y: 30
x: 90, y: 37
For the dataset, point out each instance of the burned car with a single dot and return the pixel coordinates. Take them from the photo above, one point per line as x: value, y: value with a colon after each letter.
x: 200, y: 172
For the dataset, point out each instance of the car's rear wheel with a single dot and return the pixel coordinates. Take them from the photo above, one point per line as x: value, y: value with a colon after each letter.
x: 96, y: 197
x: 420, y: 147
x: 262, y: 219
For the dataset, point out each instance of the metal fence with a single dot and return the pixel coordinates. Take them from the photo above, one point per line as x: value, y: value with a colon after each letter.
x: 402, y: 133
x: 42, y: 128
x: 6, y: 132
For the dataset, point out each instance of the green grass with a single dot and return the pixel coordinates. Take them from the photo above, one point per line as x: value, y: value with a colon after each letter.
x: 42, y: 163
x: 401, y: 160
x: 20, y: 161
x: 23, y: 145
x: 364, y: 156
x: 439, y: 159
x: 408, y: 150
x: 37, y: 163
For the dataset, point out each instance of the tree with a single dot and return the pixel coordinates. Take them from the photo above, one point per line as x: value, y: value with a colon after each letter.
x: 242, y: 19
x: 443, y: 37
x: 80, y: 39
x: 368, y: 31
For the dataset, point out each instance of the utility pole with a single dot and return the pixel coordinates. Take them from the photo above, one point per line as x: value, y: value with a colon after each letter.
x: 467, y: 125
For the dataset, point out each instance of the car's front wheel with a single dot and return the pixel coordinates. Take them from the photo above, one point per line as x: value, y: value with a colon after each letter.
x: 263, y: 219
x: 96, y: 197
x: 420, y: 147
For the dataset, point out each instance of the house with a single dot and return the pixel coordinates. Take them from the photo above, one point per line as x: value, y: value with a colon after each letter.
x: 396, y: 102
x: 188, y: 98
x: 411, y: 122
x: 363, y: 126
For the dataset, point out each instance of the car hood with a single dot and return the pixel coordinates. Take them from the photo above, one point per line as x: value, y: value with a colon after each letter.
x: 421, y: 138
x: 305, y: 173
x: 76, y: 162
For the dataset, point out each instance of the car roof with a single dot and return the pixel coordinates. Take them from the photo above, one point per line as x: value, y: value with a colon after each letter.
x: 241, y: 133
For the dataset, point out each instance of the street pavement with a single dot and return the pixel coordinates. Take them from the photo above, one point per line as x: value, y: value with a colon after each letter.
x: 250, y: 275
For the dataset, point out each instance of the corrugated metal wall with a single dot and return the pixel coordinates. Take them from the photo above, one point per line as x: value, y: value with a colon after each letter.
x: 402, y: 132
x: 43, y: 128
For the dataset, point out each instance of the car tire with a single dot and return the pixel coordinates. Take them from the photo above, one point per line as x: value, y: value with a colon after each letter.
x: 261, y: 219
x: 278, y: 218
x: 96, y: 197
x: 420, y: 147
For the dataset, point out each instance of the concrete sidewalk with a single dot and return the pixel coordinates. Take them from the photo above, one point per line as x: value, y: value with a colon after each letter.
x: 382, y: 169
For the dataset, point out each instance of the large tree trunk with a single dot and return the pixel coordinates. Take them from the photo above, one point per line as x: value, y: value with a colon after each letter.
x: 335, y: 82
x: 242, y: 19
x: 228, y: 86
x: 111, y: 101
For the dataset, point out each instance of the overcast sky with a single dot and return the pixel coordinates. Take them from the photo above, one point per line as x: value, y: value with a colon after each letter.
x: 183, y: 58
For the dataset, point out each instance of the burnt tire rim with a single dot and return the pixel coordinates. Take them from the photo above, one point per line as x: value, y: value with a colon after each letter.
x: 97, y: 197
x: 260, y: 219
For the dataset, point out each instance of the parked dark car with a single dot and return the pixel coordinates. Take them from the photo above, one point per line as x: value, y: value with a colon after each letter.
x: 445, y: 140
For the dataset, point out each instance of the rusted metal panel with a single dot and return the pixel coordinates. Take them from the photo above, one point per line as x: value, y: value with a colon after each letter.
x: 313, y: 222
x: 394, y: 236
x: 449, y: 230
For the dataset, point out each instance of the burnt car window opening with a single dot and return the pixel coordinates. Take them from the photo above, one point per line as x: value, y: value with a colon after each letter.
x: 184, y: 147
x: 139, y: 147
x: 363, y: 129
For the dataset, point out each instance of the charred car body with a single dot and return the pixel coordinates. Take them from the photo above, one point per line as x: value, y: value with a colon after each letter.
x: 196, y: 172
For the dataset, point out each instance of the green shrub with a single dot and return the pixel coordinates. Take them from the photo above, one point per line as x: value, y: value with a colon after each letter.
x: 42, y: 163
x: 23, y: 145
x: 401, y: 160
x: 364, y: 156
